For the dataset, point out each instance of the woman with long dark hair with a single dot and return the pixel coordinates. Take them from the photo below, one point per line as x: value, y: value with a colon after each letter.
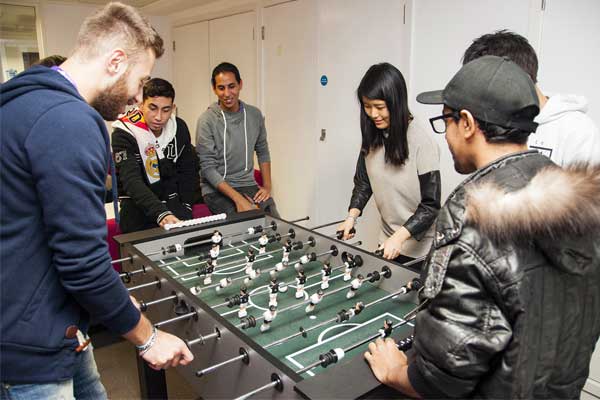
x: 398, y: 164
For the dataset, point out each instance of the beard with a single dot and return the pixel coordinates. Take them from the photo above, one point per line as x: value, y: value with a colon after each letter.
x: 110, y: 102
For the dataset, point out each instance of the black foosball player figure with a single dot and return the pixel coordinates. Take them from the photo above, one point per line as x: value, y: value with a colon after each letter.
x: 285, y: 258
x: 268, y: 317
x: 254, y: 273
x: 273, y: 291
x: 349, y: 264
x: 300, y: 281
x: 210, y: 268
x: 355, y: 285
x: 217, y: 239
x: 244, y: 298
x: 357, y: 309
x: 250, y: 261
x: 214, y: 253
x: 325, y: 274
x: 263, y: 240
x: 314, y: 300
x: 223, y: 283
x: 388, y: 326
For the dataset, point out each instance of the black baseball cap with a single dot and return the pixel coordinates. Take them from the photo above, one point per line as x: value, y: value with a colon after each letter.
x: 494, y: 89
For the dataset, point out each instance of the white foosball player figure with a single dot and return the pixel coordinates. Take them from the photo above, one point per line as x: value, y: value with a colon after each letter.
x: 300, y: 281
x: 263, y: 241
x: 287, y: 249
x: 223, y: 283
x: 196, y: 290
x: 217, y: 239
x: 269, y: 316
x: 273, y: 291
x: 387, y: 328
x: 325, y: 274
x: 214, y: 254
x: 348, y: 266
x: 244, y: 298
x: 250, y: 261
x: 355, y: 285
x: 254, y: 273
x: 314, y: 300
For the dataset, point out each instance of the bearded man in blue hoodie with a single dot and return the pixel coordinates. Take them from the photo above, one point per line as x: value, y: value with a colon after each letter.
x: 227, y: 135
x: 55, y: 269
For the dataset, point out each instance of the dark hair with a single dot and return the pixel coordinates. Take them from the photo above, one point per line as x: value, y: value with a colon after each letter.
x: 157, y: 87
x: 505, y: 43
x: 225, y: 67
x: 385, y: 82
x: 51, y: 61
x: 498, y: 134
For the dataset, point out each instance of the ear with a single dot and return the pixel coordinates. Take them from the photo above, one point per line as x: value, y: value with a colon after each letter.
x: 241, y: 83
x: 117, y: 62
x: 468, y: 125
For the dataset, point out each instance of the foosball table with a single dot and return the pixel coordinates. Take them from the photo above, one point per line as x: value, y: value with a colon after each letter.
x: 270, y: 309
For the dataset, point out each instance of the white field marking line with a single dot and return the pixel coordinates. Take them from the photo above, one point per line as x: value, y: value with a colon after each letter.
x: 226, y: 271
x: 234, y: 311
x: 173, y: 271
x: 253, y: 303
x: 325, y: 331
x: 300, y: 366
x: 251, y: 245
x: 290, y: 357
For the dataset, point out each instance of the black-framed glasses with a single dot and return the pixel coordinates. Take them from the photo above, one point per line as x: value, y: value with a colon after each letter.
x: 438, y: 124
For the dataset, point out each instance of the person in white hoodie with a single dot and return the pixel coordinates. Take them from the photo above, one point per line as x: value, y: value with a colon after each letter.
x: 565, y: 133
x: 227, y: 135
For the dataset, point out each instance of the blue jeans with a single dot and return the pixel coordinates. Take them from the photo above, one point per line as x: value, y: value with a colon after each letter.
x: 84, y: 385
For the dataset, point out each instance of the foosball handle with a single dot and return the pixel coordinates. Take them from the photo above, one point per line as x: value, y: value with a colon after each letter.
x: 340, y: 234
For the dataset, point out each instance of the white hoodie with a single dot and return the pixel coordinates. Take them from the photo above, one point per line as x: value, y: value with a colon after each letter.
x: 565, y: 133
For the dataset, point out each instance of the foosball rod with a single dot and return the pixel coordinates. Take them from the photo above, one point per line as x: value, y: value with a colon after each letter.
x: 297, y: 246
x: 303, y: 332
x: 191, y: 314
x: 156, y: 282
x: 291, y: 234
x: 144, y: 306
x: 298, y: 305
x: 276, y: 383
x: 244, y: 357
x: 333, y: 356
x: 137, y: 271
x: 203, y: 338
x: 266, y: 287
x: 266, y: 271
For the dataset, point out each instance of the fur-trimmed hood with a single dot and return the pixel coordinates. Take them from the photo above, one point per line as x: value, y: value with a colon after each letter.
x: 556, y: 207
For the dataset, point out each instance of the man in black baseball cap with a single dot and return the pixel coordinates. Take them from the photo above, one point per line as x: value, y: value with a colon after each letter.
x: 512, y: 284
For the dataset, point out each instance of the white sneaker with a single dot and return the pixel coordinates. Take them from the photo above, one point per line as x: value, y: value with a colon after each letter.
x: 265, y: 327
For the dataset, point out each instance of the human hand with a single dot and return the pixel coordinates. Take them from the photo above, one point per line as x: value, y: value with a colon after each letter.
x: 168, y: 351
x: 385, y: 360
x: 345, y: 227
x: 263, y: 194
x: 168, y: 219
x: 393, y: 245
x: 245, y: 204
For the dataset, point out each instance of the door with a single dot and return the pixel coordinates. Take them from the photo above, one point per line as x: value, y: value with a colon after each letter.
x: 290, y: 80
x: 233, y: 39
x: 191, y: 73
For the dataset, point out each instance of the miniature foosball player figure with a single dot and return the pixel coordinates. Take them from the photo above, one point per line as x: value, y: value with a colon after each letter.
x: 355, y: 285
x: 314, y: 300
x: 254, y: 273
x: 388, y: 326
x: 269, y: 316
x: 325, y: 275
x: 244, y: 298
x: 217, y: 239
x: 263, y: 241
x: 214, y: 253
x: 250, y: 261
x: 223, y: 283
x: 300, y: 282
x: 273, y: 291
x: 349, y: 264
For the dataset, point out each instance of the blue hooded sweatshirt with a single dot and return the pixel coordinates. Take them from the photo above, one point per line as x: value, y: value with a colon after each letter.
x: 54, y: 264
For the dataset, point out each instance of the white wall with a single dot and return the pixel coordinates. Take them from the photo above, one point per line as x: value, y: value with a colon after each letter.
x: 61, y: 23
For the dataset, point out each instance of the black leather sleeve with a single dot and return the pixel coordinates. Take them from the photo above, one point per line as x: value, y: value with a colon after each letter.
x: 362, y: 186
x: 187, y: 165
x: 428, y: 208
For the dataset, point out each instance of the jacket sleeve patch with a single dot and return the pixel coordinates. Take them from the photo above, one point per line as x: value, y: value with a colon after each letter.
x: 120, y: 156
x: 437, y: 271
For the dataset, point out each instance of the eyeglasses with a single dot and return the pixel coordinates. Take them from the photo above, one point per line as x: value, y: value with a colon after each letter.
x: 439, y: 123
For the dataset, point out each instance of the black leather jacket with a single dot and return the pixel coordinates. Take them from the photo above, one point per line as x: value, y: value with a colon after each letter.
x: 427, y: 210
x: 513, y: 283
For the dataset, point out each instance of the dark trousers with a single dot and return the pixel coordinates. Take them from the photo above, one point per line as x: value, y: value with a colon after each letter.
x: 219, y: 203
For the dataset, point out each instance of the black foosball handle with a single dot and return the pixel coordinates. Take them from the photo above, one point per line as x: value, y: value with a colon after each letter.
x: 340, y: 234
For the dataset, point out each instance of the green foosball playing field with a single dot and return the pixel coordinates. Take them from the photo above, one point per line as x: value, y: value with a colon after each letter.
x: 284, y: 339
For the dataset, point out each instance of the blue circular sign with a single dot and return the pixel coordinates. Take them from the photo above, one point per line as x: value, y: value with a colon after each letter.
x: 324, y: 80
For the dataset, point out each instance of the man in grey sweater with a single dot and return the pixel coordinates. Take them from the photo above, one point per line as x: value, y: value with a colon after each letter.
x: 227, y: 135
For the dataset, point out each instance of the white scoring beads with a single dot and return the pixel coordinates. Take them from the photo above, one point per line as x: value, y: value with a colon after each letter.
x: 195, y: 221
